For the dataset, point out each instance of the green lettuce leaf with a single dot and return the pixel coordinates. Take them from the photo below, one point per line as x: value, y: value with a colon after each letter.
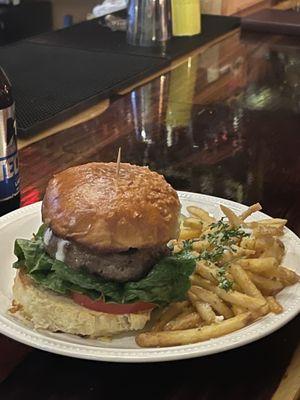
x: 89, y: 282
x: 51, y: 281
x: 167, y: 282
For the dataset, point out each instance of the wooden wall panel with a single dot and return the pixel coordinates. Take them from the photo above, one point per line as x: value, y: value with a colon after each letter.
x: 230, y: 7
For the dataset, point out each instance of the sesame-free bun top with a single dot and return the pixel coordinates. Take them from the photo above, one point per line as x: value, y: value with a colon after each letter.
x: 91, y: 206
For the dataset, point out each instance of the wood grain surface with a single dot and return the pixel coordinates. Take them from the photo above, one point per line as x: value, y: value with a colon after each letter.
x: 289, y: 388
x: 80, y: 118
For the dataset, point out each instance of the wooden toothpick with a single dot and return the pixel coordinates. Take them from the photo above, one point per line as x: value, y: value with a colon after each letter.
x: 118, y: 163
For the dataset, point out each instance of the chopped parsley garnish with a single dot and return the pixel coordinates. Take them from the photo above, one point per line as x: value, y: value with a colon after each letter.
x: 224, y: 282
x: 213, y: 255
x: 221, y: 237
x: 221, y: 232
x: 188, y: 244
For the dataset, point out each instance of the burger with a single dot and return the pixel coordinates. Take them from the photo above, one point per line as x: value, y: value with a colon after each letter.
x: 100, y: 263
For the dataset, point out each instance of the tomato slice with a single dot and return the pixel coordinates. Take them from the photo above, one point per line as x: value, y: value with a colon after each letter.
x: 111, y: 308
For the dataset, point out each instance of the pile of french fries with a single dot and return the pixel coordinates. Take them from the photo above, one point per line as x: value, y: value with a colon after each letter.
x: 252, y: 265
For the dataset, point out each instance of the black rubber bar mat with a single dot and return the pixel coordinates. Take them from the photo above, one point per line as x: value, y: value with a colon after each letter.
x: 92, y: 35
x: 51, y: 83
x: 57, y: 74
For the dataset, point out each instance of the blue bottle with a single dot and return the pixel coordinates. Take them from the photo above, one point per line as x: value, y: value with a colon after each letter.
x: 9, y: 168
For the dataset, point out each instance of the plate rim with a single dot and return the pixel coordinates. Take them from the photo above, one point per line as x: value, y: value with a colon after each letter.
x: 36, y: 339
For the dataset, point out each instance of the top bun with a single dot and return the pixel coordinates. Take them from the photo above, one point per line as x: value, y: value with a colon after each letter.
x: 89, y: 205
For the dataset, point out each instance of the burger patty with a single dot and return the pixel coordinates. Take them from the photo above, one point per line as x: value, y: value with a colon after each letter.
x: 131, y: 265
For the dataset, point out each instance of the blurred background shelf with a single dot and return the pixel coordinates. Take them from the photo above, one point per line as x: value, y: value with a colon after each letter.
x: 37, y: 16
x: 81, y: 8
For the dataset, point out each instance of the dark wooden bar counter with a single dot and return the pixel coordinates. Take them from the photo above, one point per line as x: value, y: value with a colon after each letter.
x: 224, y: 122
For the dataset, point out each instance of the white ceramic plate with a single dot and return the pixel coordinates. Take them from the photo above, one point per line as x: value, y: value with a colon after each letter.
x: 23, y: 222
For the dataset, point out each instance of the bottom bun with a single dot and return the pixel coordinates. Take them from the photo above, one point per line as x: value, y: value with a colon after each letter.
x: 57, y: 313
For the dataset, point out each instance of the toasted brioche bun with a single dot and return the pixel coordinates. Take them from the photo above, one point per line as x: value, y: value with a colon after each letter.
x: 56, y: 313
x: 93, y: 207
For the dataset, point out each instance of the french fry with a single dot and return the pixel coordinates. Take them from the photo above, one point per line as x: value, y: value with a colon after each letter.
x: 252, y: 266
x: 252, y: 209
x: 239, y: 252
x: 264, y: 242
x: 258, y: 245
x: 208, y: 272
x: 275, y: 249
x: 200, y: 245
x: 201, y: 214
x: 172, y: 311
x: 206, y: 284
x: 237, y: 309
x: 206, y: 312
x: 233, y: 219
x: 267, y: 286
x: 274, y: 306
x: 260, y: 312
x: 240, y: 299
x: 245, y: 283
x: 198, y: 281
x: 184, y: 321
x: 188, y: 233
x: 193, y: 223
x: 248, y: 243
x: 247, y: 286
x: 275, y: 222
x: 213, y: 300
x: 188, y: 336
x: 177, y: 249
x: 204, y: 309
x: 266, y: 266
x: 287, y: 276
x: 267, y: 230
